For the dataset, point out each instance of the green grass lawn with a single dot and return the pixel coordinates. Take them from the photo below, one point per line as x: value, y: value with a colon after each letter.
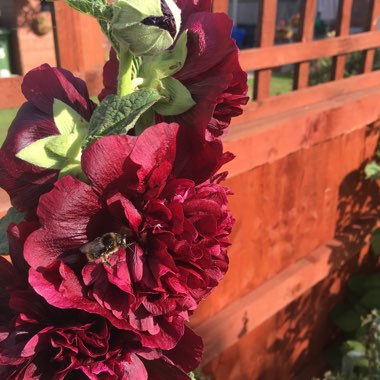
x: 6, y: 117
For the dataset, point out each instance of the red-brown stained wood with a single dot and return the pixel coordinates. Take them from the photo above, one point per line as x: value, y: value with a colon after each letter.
x: 220, y: 6
x: 273, y: 56
x: 10, y: 92
x: 286, y: 209
x: 267, y: 17
x: 306, y: 97
x: 306, y: 33
x: 290, y: 345
x: 369, y: 55
x: 80, y: 46
x: 343, y: 28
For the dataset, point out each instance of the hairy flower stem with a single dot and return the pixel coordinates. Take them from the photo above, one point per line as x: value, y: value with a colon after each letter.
x: 125, y: 86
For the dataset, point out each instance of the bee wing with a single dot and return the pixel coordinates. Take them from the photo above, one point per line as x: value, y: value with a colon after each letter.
x: 93, y: 249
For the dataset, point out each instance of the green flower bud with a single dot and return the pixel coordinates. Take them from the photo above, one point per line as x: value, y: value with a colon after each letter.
x: 146, y: 27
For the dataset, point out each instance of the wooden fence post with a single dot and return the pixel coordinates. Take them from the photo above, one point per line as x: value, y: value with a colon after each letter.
x: 306, y: 33
x: 343, y: 29
x: 267, y: 17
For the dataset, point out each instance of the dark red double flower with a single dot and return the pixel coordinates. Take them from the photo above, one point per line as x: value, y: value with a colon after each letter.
x: 177, y: 237
x: 39, y: 341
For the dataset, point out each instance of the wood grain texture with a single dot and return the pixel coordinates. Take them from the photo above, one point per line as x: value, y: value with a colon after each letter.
x: 287, y: 208
x: 291, y: 344
x: 268, y: 139
x: 269, y: 57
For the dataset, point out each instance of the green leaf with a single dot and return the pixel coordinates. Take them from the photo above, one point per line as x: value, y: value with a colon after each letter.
x: 375, y: 242
x: 141, y: 39
x: 176, y: 98
x: 37, y: 154
x: 345, y: 318
x: 167, y: 63
x: 99, y: 9
x: 61, y: 152
x: 54, y: 152
x: 117, y: 115
x: 372, y: 170
x: 357, y: 283
x: 12, y: 216
x: 130, y: 12
x: 68, y: 120
x: 371, y: 299
x: 353, y: 345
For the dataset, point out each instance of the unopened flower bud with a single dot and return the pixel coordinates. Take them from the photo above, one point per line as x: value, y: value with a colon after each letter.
x: 146, y: 27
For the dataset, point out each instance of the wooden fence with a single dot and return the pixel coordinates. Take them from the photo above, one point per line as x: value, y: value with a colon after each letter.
x: 303, y: 210
x: 302, y: 206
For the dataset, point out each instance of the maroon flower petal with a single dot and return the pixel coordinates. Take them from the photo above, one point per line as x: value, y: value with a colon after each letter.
x: 44, y: 84
x: 135, y: 369
x: 110, y: 75
x: 25, y: 182
x: 188, y: 7
x: 188, y: 352
x: 17, y: 234
x: 103, y: 160
x: 64, y: 213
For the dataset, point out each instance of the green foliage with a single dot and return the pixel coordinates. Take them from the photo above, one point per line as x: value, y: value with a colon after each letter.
x: 167, y: 63
x: 320, y: 71
x: 375, y: 242
x: 176, y: 98
x: 12, y: 216
x: 361, y: 357
x: 117, y: 115
x: 99, y: 9
x: 372, y: 170
x: 141, y: 39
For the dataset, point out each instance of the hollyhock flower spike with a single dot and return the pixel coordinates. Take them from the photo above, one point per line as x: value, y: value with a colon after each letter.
x: 211, y: 72
x: 39, y: 341
x: 169, y: 238
x: 46, y: 89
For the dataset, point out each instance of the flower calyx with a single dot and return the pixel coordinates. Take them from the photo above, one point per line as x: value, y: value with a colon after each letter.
x: 145, y: 27
x: 63, y: 151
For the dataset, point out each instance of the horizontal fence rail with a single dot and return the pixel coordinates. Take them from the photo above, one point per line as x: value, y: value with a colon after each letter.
x: 274, y: 56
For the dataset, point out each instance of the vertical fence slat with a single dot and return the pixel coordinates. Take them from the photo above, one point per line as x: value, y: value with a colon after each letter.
x: 306, y: 33
x: 220, y: 6
x: 369, y: 55
x: 267, y: 17
x: 343, y: 29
